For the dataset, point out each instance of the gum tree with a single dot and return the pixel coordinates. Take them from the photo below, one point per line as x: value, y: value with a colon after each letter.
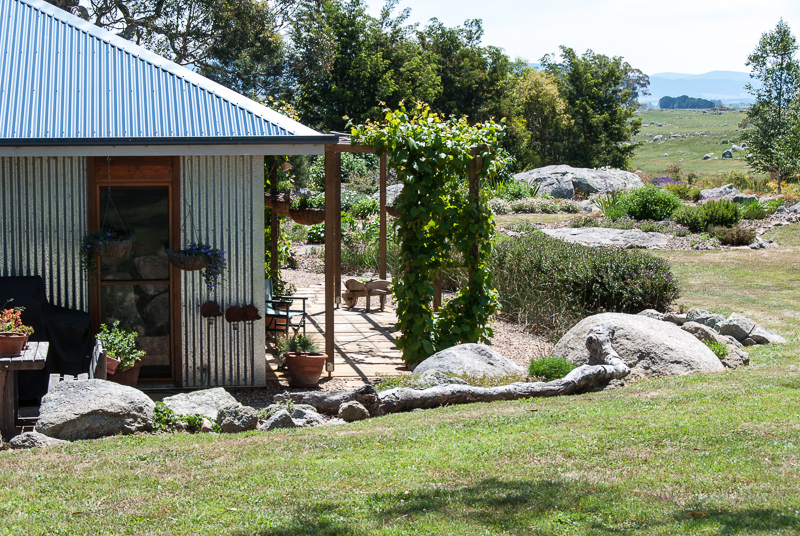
x: 773, y: 131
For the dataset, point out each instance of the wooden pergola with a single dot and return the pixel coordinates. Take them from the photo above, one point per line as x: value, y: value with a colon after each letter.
x: 333, y: 230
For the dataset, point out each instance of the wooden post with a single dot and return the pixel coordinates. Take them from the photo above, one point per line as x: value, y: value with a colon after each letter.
x: 331, y: 215
x: 337, y: 222
x: 382, y: 237
x: 474, y: 185
x: 274, y: 227
x: 437, y: 294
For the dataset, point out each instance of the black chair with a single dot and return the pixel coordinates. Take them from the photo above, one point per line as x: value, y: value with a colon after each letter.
x: 68, y: 331
x: 278, y: 312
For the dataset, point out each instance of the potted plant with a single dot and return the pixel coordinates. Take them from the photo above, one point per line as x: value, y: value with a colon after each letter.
x: 13, y: 333
x: 200, y: 256
x: 308, y: 210
x: 304, y: 364
x: 120, y: 345
x: 107, y: 241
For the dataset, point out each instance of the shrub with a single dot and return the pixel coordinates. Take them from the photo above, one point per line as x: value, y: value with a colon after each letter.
x: 316, y: 234
x: 650, y: 203
x: 691, y: 217
x: 354, y: 168
x: 166, y: 421
x: 772, y: 205
x: 683, y: 191
x: 365, y: 208
x: 719, y: 349
x: 550, y: 368
x: 513, y: 190
x: 753, y: 211
x: 499, y: 206
x: 735, y: 236
x: 612, y: 205
x: 548, y: 285
x: 692, y: 177
x: 723, y: 213
x: 674, y: 170
x: 534, y: 205
x: 350, y: 199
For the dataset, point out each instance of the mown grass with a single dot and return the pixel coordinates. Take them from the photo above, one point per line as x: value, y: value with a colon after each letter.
x: 700, y: 454
x: 719, y: 128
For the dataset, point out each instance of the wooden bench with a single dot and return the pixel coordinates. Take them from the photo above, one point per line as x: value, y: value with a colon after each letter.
x: 356, y: 289
x: 97, y: 369
x: 32, y: 358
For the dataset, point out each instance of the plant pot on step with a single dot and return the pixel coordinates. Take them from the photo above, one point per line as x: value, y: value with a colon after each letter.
x: 304, y: 369
x: 111, y: 365
x: 128, y: 377
x: 12, y: 344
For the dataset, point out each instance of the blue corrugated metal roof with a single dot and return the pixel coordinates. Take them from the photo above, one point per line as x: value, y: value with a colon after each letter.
x: 64, y: 79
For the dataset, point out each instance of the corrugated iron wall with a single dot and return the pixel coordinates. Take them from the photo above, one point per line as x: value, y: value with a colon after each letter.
x: 43, y: 216
x: 218, y: 196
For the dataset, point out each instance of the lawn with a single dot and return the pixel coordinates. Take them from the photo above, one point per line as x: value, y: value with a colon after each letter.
x: 699, y: 454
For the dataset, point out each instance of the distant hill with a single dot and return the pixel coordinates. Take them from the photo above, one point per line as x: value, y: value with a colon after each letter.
x: 725, y: 86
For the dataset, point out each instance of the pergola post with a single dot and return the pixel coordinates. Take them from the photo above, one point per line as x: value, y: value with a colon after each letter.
x: 474, y: 186
x: 331, y: 215
x: 382, y: 237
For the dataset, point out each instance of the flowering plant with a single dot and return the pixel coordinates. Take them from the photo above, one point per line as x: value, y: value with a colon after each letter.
x: 214, y: 270
x: 120, y: 343
x: 11, y: 322
x: 92, y: 243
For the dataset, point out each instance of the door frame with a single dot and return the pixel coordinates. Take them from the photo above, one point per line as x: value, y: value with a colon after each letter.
x: 132, y: 171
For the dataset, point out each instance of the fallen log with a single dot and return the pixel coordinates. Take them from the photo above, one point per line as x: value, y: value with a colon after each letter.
x: 605, y: 365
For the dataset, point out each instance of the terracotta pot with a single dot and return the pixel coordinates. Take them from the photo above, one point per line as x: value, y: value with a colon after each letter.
x: 12, y: 344
x: 305, y: 369
x: 111, y: 365
x: 128, y: 377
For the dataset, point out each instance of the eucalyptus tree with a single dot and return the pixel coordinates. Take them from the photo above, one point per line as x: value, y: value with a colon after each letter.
x: 773, y: 122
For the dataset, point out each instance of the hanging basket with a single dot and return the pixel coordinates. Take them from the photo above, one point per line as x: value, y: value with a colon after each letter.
x: 279, y: 206
x: 188, y: 263
x: 392, y: 211
x: 307, y: 216
x: 115, y: 250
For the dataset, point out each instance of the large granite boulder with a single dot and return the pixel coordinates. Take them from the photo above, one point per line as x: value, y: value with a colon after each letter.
x: 563, y: 181
x: 602, y: 236
x: 88, y: 409
x: 471, y: 359
x: 207, y: 402
x: 237, y: 418
x: 727, y: 191
x: 650, y: 348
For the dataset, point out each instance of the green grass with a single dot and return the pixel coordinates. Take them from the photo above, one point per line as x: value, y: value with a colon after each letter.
x: 701, y: 454
x: 649, y: 157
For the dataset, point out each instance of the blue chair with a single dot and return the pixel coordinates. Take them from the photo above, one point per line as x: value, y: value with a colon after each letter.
x: 279, y: 315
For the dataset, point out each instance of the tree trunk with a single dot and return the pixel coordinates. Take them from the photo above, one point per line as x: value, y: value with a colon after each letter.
x: 604, y: 365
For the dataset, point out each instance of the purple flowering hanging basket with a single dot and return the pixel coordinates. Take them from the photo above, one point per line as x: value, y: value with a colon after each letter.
x: 188, y: 263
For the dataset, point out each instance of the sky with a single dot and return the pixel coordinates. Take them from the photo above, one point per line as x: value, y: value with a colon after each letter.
x: 683, y: 36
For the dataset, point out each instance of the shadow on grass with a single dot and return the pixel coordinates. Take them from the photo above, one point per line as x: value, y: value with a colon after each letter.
x: 518, y: 507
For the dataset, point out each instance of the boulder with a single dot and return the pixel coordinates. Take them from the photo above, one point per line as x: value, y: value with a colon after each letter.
x: 726, y: 191
x: 391, y: 194
x: 207, y: 402
x: 237, y: 418
x: 650, y: 348
x: 676, y: 318
x: 762, y: 335
x: 736, y: 358
x: 432, y: 378
x: 658, y: 137
x: 471, y: 359
x: 737, y: 326
x: 743, y: 199
x: 32, y: 440
x: 281, y: 419
x: 701, y: 316
x: 602, y: 236
x: 707, y: 156
x: 89, y: 409
x: 701, y: 331
x: 652, y: 313
x: 727, y: 154
x: 353, y: 411
x: 305, y: 416
x: 563, y: 181
x: 206, y: 427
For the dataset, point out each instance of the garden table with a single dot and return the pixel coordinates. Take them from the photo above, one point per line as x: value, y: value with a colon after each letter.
x: 32, y: 358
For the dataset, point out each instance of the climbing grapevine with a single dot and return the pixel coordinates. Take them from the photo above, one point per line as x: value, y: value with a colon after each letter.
x: 440, y: 225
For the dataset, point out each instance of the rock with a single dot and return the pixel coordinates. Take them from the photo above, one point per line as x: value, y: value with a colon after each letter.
x: 391, y: 194
x: 707, y: 157
x: 727, y: 154
x: 432, y: 378
x: 736, y: 358
x: 658, y: 137
x: 32, y: 440
x: 652, y: 313
x: 701, y: 331
x: 665, y: 154
x: 563, y: 181
x: 89, y: 409
x: 675, y: 318
x: 353, y: 411
x: 152, y: 266
x: 650, y: 348
x: 704, y: 317
x: 206, y: 427
x: 334, y: 421
x: 762, y: 335
x: 470, y: 359
x: 749, y: 342
x: 237, y: 418
x: 207, y: 402
x: 281, y: 419
x: 736, y: 148
x: 728, y: 340
x: 727, y: 190
x: 305, y: 416
x: 737, y: 326
x: 602, y: 236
